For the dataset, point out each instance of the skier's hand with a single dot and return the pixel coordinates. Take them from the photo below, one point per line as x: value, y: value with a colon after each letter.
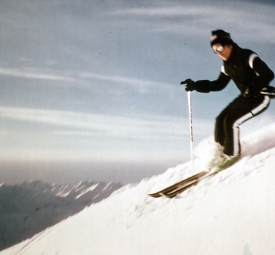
x: 189, y: 85
x: 268, y: 90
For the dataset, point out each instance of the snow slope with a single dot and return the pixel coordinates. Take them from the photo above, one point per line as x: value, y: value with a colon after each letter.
x: 231, y: 213
x: 30, y: 207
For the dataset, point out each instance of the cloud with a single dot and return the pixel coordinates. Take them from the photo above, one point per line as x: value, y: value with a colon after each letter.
x: 140, y: 85
x: 99, y: 125
x: 198, y: 18
x: 15, y: 72
x: 50, y: 134
x: 174, y: 11
x: 80, y: 79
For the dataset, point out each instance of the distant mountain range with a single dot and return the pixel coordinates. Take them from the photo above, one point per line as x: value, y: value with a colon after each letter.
x: 30, y: 207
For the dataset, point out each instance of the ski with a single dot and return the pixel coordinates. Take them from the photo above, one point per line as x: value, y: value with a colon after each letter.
x: 181, y: 189
x: 179, y: 185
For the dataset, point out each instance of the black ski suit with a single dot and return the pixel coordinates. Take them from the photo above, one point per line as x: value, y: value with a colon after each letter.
x: 251, y: 75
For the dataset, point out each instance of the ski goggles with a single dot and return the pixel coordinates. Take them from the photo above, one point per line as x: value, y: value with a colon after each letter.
x: 217, y: 49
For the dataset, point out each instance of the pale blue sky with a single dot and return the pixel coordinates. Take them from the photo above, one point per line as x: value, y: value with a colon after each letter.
x: 96, y: 83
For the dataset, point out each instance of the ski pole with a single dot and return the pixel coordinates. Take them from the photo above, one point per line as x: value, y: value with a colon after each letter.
x: 191, y: 127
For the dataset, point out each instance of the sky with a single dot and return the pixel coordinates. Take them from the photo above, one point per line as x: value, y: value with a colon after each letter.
x: 90, y: 89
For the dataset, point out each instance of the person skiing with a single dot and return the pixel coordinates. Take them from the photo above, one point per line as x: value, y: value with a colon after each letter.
x: 252, y: 77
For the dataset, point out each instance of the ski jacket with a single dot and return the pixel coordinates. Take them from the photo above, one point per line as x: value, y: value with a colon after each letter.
x: 245, y: 68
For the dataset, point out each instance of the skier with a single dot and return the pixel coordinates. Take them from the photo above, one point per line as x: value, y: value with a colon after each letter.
x: 252, y: 77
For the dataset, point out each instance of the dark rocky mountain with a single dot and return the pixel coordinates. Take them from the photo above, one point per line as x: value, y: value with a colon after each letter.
x: 30, y: 207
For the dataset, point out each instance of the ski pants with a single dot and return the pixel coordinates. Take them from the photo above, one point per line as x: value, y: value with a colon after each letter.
x: 241, y: 109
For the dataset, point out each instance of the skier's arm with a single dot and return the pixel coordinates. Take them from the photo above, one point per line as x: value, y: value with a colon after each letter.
x: 216, y: 85
x: 206, y: 86
x: 263, y: 72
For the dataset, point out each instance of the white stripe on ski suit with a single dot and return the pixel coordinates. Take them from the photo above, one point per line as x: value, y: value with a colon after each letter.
x: 251, y: 60
x: 244, y: 118
x: 223, y: 70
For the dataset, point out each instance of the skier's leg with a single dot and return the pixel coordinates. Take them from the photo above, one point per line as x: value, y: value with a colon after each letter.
x: 221, y: 120
x: 220, y: 135
x: 219, y: 129
x: 248, y: 108
x: 227, y: 124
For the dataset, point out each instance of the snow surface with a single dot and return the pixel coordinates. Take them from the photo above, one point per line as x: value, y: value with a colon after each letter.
x: 30, y: 207
x: 231, y: 213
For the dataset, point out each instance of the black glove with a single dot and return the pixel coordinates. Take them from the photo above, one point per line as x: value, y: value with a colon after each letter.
x: 190, y: 85
x: 269, y: 91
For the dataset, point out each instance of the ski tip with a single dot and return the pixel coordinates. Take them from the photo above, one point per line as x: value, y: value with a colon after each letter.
x: 154, y: 195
